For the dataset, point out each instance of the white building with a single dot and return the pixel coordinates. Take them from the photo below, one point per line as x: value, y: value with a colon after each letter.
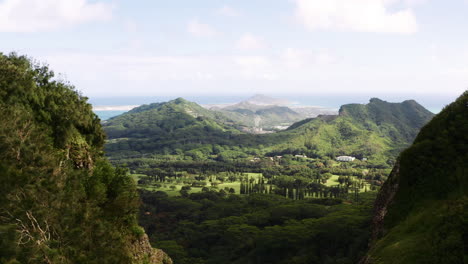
x: 345, y: 158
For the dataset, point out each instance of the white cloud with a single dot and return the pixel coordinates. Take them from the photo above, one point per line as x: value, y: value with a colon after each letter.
x: 199, y: 29
x: 49, y: 15
x: 228, y: 11
x: 405, y: 2
x: 250, y: 42
x: 297, y: 70
x: 355, y: 15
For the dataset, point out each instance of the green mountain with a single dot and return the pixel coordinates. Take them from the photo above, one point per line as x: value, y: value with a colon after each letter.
x: 173, y: 117
x: 60, y: 200
x: 166, y: 127
x: 421, y: 211
x: 378, y: 130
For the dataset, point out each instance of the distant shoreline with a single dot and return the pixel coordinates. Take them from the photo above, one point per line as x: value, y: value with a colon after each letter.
x: 114, y: 107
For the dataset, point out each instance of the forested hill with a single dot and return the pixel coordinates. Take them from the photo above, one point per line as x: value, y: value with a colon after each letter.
x: 60, y: 200
x: 421, y: 211
x: 400, y: 121
x: 378, y: 129
x: 176, y: 117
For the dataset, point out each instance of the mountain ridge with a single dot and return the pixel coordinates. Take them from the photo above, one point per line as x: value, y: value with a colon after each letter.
x: 428, y: 187
x: 364, y: 130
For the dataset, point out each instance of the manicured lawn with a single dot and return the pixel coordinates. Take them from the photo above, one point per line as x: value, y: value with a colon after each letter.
x: 174, y: 192
x: 333, y: 181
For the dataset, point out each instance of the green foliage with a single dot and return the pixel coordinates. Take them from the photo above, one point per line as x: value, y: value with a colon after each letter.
x: 61, y: 202
x: 426, y: 220
x: 211, y: 228
x: 377, y: 131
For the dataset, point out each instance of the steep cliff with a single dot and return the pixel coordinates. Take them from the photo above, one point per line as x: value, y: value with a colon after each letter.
x: 420, y: 212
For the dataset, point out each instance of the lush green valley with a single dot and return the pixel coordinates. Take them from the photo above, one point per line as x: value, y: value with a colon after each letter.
x: 178, y: 144
x: 74, y: 189
x: 206, y: 185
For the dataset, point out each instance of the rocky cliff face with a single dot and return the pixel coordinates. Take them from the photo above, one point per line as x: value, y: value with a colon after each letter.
x: 143, y: 253
x: 382, y: 202
x: 384, y: 199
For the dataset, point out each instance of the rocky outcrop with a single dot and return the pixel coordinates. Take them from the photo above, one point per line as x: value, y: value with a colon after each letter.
x: 382, y: 202
x: 143, y: 253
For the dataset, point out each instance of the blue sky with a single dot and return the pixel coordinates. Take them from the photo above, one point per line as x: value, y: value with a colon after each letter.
x: 206, y: 47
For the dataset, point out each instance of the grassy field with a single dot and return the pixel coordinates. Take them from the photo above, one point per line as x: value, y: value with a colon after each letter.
x: 166, y: 187
x: 333, y: 181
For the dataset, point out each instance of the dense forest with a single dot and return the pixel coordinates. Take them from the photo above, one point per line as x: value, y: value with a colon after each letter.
x: 214, y: 227
x: 60, y: 200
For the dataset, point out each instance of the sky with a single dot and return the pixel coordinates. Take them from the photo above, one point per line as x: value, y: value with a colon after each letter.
x: 231, y: 47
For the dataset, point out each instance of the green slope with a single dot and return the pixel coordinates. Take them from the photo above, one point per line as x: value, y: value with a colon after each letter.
x: 173, y: 117
x: 165, y: 127
x: 60, y: 200
x: 421, y: 214
x: 375, y: 130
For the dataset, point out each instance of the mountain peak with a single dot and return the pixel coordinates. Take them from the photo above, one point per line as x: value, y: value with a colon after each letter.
x: 376, y: 100
x: 261, y: 99
x: 179, y: 100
